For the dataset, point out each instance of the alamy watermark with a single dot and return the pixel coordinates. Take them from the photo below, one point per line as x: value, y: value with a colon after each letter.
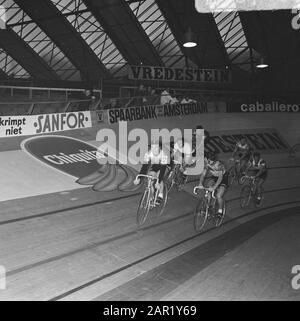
x: 115, y: 149
x: 2, y: 278
x: 296, y: 279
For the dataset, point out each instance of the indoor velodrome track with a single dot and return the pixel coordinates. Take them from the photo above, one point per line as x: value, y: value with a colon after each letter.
x: 78, y: 244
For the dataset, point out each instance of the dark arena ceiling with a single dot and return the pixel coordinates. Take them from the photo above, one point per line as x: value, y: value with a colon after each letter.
x: 93, y: 40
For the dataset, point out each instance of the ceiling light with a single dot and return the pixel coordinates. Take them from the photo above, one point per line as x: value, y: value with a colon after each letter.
x: 189, y: 39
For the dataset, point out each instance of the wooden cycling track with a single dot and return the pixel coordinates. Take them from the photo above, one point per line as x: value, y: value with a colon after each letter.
x: 83, y: 245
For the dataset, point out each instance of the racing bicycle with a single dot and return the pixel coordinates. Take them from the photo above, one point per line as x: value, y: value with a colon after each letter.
x: 235, y: 172
x: 207, y: 209
x: 249, y: 192
x: 176, y: 178
x: 149, y: 198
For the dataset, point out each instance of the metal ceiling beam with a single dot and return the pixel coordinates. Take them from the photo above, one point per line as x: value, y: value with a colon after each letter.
x: 25, y: 56
x: 124, y: 30
x: 64, y: 35
x: 180, y: 15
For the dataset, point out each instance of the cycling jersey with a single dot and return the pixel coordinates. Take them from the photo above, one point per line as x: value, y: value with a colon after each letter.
x: 243, y: 150
x: 155, y: 163
x: 185, y: 149
x: 260, y: 165
x: 161, y: 158
x: 242, y: 147
x: 214, y: 171
x: 182, y: 154
x: 216, y: 168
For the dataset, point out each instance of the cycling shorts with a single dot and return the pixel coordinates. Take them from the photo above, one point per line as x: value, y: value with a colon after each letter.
x: 244, y: 156
x: 211, y: 180
x: 262, y: 176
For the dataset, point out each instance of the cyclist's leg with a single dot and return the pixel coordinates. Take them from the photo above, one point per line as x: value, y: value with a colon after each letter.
x: 259, y: 184
x: 161, y: 187
x: 154, y: 174
x: 219, y: 195
x: 238, y: 165
x: 243, y: 162
x: 209, y: 182
x: 221, y: 190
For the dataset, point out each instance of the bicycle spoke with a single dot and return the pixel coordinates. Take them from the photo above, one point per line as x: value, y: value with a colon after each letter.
x: 143, y: 208
x: 200, y: 215
x: 219, y: 218
x: 231, y: 176
x: 258, y: 203
x: 245, y: 196
x: 161, y: 207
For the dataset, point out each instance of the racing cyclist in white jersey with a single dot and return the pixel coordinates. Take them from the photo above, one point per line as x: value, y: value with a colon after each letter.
x: 155, y: 164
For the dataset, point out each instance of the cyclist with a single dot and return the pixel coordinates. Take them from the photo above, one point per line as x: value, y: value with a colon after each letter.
x: 215, y: 178
x: 155, y: 163
x: 242, y: 151
x: 182, y: 154
x: 257, y: 167
x: 194, y: 138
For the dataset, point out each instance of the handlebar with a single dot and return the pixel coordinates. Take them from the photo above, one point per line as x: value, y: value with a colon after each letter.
x: 234, y: 160
x: 147, y: 176
x: 205, y: 189
x: 177, y: 162
x: 249, y: 177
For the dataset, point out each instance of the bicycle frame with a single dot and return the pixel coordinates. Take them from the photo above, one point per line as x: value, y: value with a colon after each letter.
x: 208, y: 193
x: 151, y: 180
x: 209, y: 201
x: 252, y: 192
x: 252, y: 182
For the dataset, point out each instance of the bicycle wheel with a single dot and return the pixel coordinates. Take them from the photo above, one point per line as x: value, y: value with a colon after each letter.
x: 200, y: 214
x: 231, y: 175
x: 182, y: 183
x: 258, y: 203
x: 245, y: 196
x: 219, y: 218
x: 161, y: 207
x: 170, y: 181
x: 143, y: 208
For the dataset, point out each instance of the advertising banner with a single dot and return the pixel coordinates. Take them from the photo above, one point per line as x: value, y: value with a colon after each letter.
x: 263, y: 140
x: 154, y: 112
x: 221, y: 76
x: 43, y: 124
x: 263, y: 107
